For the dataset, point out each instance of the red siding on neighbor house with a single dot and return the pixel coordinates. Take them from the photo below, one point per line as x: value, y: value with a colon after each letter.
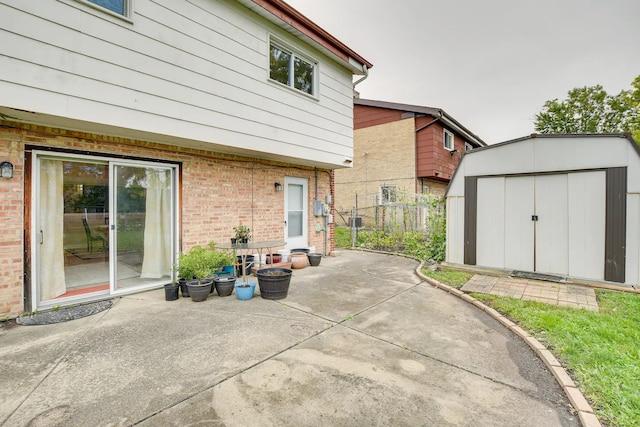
x: 433, y: 160
x: 364, y: 116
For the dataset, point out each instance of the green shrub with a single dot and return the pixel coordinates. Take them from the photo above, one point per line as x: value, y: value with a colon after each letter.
x: 203, y: 261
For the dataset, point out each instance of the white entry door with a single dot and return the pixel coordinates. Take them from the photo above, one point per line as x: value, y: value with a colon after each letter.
x: 296, y: 212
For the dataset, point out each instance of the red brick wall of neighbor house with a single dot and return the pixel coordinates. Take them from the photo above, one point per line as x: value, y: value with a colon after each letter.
x: 433, y: 160
x: 365, y: 116
x: 216, y: 192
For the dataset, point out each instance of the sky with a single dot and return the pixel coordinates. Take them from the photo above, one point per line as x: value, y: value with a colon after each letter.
x: 490, y: 64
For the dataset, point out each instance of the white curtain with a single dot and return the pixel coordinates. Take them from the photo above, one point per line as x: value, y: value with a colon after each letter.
x: 52, y: 280
x: 157, y: 226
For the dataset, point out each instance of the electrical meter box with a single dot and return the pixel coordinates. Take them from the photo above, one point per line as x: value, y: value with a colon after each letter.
x: 318, y: 209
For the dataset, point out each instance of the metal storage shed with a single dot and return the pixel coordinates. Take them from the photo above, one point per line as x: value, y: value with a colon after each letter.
x: 560, y: 204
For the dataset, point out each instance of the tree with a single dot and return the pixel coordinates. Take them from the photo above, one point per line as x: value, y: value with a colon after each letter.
x: 592, y: 110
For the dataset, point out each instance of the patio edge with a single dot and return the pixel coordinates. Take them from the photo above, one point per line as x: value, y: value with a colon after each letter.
x: 578, y: 401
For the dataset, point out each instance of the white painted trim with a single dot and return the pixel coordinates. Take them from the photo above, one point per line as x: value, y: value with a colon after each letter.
x: 302, y: 241
x: 444, y: 139
x: 128, y: 9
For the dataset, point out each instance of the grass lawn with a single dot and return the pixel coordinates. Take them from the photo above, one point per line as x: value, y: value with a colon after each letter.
x: 601, y: 351
x: 342, y: 237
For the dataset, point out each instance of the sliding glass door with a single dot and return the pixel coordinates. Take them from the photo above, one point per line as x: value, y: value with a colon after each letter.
x: 142, y: 226
x: 100, y: 227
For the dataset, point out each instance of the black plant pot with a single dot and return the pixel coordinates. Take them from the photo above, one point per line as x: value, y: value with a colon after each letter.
x: 274, y: 282
x: 171, y: 291
x: 247, y: 266
x: 184, y: 288
x: 224, y: 285
x: 314, y: 259
x: 199, y: 291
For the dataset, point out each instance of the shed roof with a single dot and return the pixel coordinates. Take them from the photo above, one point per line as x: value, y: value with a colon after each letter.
x: 559, y: 152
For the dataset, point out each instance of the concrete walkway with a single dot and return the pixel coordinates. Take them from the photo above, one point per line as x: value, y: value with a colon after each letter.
x: 360, y: 340
x: 559, y: 294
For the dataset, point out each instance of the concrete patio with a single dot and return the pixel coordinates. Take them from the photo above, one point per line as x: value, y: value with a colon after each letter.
x: 361, y: 340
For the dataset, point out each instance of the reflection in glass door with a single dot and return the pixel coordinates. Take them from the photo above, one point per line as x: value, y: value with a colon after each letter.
x: 71, y: 228
x: 100, y: 227
x: 142, y: 227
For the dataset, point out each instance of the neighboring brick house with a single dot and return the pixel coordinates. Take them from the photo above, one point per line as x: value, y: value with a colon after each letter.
x: 400, y: 148
x: 139, y: 128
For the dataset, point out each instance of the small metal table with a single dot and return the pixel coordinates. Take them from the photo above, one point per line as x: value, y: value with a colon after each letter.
x: 244, y: 248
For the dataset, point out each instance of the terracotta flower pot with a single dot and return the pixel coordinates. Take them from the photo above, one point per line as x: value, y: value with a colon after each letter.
x: 299, y: 260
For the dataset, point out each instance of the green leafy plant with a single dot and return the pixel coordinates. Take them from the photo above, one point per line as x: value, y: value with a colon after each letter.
x: 56, y: 307
x: 202, y: 262
x: 242, y: 232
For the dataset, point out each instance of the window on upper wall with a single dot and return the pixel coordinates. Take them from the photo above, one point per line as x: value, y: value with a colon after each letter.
x: 448, y: 140
x: 121, y: 7
x: 291, y: 69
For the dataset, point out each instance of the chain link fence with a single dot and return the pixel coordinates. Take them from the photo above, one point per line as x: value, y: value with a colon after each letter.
x: 393, y: 213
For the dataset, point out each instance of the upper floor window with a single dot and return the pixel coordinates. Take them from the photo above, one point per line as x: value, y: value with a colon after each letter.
x: 291, y: 69
x: 121, y: 7
x: 448, y: 140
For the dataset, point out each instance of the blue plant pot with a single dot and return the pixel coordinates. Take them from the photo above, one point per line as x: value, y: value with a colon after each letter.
x: 244, y: 290
x: 228, y: 269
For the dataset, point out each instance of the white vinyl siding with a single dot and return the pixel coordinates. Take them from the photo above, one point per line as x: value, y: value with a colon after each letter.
x: 183, y: 76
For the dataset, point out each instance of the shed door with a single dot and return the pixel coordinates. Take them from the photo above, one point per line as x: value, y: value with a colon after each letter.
x: 552, y: 225
x: 547, y: 223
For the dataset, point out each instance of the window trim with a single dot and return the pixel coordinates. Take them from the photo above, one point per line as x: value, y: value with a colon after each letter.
x: 444, y: 140
x: 128, y: 9
x: 295, y: 53
x: 392, y: 190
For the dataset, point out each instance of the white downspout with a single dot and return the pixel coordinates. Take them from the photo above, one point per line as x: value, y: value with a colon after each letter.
x: 360, y: 80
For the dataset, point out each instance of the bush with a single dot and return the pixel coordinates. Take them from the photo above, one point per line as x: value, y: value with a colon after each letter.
x: 202, y: 262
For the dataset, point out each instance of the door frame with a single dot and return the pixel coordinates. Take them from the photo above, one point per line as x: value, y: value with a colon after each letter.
x: 303, y: 241
x: 36, y: 155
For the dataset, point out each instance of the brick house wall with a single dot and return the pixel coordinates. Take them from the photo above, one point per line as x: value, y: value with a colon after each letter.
x: 216, y: 192
x: 390, y: 160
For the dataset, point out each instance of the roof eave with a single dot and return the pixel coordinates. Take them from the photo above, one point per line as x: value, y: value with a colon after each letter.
x: 436, y: 112
x: 289, y: 19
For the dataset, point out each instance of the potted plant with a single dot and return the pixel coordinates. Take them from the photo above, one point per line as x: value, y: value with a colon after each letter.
x: 243, y: 233
x: 171, y: 291
x: 244, y: 290
x: 274, y: 282
x: 198, y: 267
x: 224, y: 285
